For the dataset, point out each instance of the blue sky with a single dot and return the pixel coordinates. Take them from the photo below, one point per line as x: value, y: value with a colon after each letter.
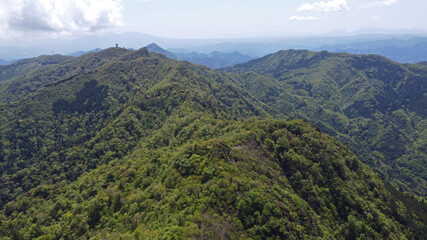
x: 205, y: 18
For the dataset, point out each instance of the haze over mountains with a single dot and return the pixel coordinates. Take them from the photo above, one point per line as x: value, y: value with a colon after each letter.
x: 401, y: 47
x: 213, y: 60
x: 404, y: 51
x: 132, y: 144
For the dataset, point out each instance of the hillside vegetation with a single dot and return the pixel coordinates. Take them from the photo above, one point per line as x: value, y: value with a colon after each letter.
x: 374, y: 105
x: 122, y: 144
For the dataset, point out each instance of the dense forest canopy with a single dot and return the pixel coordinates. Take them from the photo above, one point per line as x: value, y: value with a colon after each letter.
x: 130, y: 144
x: 374, y: 105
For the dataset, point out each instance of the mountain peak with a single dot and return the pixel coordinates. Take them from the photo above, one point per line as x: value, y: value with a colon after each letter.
x: 153, y: 47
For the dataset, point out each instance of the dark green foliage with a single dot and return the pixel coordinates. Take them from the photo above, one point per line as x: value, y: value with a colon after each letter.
x: 25, y: 66
x: 230, y: 186
x: 373, y: 105
x: 70, y: 127
x: 28, y: 76
x: 124, y: 144
x: 89, y: 99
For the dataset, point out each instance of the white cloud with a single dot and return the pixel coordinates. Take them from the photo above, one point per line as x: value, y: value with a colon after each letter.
x: 302, y: 18
x: 382, y: 3
x: 329, y: 6
x: 60, y: 17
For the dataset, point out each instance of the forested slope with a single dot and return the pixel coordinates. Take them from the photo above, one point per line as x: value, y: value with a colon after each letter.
x: 142, y: 146
x: 197, y: 177
x: 66, y: 127
x: 374, y: 105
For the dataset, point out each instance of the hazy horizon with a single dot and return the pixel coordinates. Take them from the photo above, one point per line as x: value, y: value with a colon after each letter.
x: 22, y: 20
x: 40, y: 27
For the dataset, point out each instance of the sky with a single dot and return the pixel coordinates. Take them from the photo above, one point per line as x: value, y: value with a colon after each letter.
x: 35, y: 19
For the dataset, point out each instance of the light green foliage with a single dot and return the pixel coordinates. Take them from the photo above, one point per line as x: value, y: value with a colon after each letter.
x: 229, y: 186
x: 144, y: 147
x: 373, y: 105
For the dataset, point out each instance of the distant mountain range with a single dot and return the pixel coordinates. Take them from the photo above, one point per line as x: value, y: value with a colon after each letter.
x: 404, y: 51
x: 399, y: 46
x: 4, y: 62
x: 79, y: 53
x: 213, y: 60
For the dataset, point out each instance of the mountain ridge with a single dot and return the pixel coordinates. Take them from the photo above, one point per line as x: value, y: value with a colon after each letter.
x: 366, y: 97
x: 214, y: 60
x: 153, y: 47
x: 136, y: 145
